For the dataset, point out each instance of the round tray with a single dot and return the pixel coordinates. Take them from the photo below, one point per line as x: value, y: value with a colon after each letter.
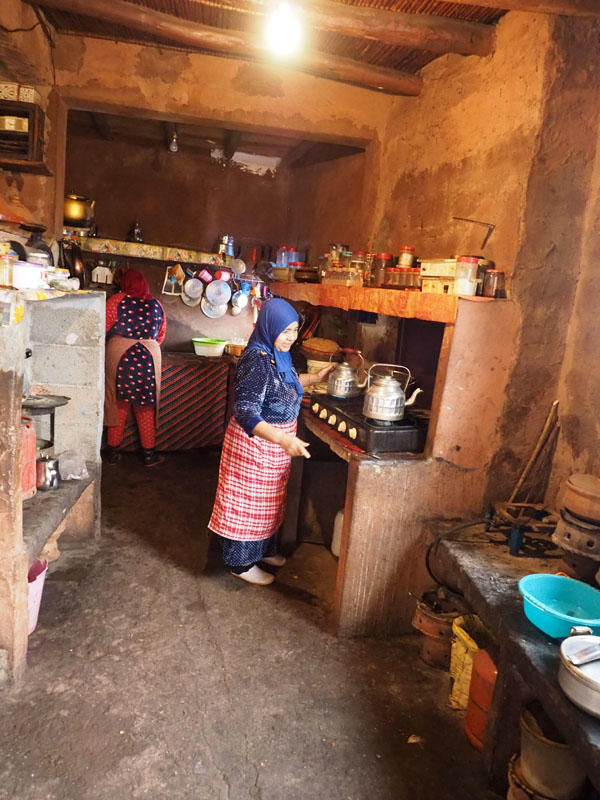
x: 44, y: 403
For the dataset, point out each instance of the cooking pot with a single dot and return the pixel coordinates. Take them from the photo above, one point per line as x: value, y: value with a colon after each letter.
x: 579, y: 669
x: 385, y: 398
x: 78, y: 211
x: 343, y: 380
x: 581, y: 496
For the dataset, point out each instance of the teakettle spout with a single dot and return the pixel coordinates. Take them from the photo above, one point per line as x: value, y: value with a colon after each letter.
x: 413, y: 397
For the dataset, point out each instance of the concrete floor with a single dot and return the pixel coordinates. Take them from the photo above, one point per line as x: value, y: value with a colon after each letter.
x: 155, y: 674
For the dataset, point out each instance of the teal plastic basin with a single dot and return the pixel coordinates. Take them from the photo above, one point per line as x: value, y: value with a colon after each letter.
x: 554, y: 603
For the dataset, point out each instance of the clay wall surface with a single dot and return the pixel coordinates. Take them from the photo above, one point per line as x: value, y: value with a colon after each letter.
x: 184, y: 199
x: 25, y: 57
x: 579, y: 392
x: 327, y: 204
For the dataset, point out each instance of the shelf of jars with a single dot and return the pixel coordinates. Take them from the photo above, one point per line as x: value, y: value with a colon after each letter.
x: 392, y: 302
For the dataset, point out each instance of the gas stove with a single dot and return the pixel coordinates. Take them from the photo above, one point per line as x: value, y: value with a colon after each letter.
x: 346, y: 417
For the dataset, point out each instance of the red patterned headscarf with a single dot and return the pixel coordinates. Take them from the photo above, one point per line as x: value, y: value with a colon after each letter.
x: 134, y: 284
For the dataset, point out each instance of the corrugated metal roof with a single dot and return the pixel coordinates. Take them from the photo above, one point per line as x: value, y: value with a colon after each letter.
x: 236, y: 15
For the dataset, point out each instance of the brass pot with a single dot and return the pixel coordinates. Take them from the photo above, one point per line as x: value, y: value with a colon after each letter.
x: 78, y: 211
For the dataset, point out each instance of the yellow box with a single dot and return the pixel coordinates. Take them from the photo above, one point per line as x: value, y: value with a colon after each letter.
x: 438, y: 267
x: 438, y: 285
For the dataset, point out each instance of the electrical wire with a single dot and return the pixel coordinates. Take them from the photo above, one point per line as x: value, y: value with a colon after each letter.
x: 446, y: 535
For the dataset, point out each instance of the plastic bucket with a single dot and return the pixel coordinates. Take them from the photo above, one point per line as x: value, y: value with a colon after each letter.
x: 35, y: 584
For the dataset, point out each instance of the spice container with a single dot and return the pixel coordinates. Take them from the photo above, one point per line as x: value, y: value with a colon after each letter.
x: 415, y: 273
x: 382, y: 262
x: 346, y: 258
x: 406, y: 257
x: 465, y: 280
x: 493, y: 283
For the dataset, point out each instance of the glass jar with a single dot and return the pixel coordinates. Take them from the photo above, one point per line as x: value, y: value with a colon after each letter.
x: 493, y: 283
x: 382, y: 262
x: 346, y: 258
x: 406, y: 257
x: 465, y: 278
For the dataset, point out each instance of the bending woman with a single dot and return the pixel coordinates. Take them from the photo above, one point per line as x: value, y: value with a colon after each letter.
x: 259, y: 444
x: 135, y: 327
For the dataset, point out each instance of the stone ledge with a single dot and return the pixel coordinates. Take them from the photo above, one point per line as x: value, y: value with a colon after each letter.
x: 46, y: 511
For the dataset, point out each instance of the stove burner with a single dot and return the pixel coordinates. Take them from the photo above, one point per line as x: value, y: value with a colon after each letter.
x: 374, y: 436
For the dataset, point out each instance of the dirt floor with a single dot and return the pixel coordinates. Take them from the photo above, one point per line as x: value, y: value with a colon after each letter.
x: 153, y: 673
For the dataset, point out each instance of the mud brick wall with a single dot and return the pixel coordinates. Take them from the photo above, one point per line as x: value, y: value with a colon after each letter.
x: 67, y: 340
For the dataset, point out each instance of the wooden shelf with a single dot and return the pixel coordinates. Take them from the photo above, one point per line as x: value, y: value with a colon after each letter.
x: 393, y: 302
x: 22, y: 165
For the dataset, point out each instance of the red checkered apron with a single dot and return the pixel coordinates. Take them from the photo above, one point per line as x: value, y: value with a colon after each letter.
x: 253, y: 476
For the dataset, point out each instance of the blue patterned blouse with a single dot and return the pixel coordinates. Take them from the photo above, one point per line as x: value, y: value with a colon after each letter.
x: 260, y: 394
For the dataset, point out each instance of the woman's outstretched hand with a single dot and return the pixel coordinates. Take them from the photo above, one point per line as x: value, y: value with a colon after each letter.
x: 294, y: 446
x: 323, y: 373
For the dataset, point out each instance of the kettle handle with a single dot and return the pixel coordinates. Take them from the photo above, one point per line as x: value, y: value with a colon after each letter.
x: 394, y: 368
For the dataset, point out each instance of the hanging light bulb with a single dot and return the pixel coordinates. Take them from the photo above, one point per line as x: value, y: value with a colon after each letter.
x: 173, y: 146
x: 283, y: 31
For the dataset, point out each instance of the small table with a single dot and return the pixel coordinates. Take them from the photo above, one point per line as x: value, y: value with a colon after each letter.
x: 488, y: 577
x: 39, y: 405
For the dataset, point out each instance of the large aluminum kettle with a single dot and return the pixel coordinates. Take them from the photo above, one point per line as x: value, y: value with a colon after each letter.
x: 343, y: 381
x: 78, y: 211
x: 385, y: 398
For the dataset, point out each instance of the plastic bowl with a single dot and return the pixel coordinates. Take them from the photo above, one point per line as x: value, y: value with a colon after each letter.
x: 555, y: 603
x: 209, y: 347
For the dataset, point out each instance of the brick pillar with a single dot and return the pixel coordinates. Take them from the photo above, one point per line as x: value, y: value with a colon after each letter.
x: 13, y: 558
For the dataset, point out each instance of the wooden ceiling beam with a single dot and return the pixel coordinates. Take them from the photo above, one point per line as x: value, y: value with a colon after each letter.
x: 573, y: 8
x: 236, y: 43
x: 418, y: 31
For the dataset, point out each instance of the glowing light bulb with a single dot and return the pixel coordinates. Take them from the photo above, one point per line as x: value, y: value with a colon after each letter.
x: 283, y: 31
x: 173, y: 146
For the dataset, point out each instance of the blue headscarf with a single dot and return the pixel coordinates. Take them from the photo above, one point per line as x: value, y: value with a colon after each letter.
x: 274, y: 317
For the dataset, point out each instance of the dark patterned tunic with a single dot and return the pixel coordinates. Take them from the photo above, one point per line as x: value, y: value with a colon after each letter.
x: 137, y: 319
x: 261, y: 394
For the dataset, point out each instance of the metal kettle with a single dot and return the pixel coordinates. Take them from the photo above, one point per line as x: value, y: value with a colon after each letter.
x: 47, y: 474
x: 343, y: 380
x: 385, y: 398
x: 78, y: 211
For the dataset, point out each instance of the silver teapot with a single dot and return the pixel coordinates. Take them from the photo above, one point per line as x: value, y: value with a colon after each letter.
x: 343, y: 381
x: 385, y: 398
x: 47, y: 475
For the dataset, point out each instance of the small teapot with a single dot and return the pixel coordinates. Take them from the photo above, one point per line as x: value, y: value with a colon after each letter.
x: 343, y: 380
x: 78, y: 211
x: 385, y: 398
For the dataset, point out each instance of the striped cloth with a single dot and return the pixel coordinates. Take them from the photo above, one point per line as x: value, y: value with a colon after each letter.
x: 253, y: 476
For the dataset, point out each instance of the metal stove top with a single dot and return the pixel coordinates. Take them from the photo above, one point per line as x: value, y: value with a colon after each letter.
x: 408, y: 435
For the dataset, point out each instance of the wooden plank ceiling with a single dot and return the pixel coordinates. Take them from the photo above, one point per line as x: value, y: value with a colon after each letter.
x: 379, y: 44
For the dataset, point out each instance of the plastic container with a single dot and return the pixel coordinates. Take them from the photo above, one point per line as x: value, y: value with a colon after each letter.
x: 27, y: 276
x: 338, y: 524
x: 282, y: 256
x: 493, y: 283
x: 481, y: 692
x: 465, y: 278
x: 469, y: 635
x: 406, y: 257
x: 555, y: 603
x: 6, y: 270
x: 209, y: 347
x: 283, y: 274
x: 548, y: 764
x: 35, y: 585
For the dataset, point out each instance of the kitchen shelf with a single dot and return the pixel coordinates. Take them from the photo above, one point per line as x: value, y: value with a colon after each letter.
x: 393, y: 302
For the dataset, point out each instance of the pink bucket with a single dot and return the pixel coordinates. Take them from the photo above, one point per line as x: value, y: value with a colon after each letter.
x: 35, y: 584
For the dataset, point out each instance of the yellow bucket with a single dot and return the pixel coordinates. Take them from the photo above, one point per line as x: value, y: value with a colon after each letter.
x: 469, y: 634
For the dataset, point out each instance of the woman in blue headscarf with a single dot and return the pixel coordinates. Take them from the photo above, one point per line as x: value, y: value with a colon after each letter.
x: 259, y: 444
